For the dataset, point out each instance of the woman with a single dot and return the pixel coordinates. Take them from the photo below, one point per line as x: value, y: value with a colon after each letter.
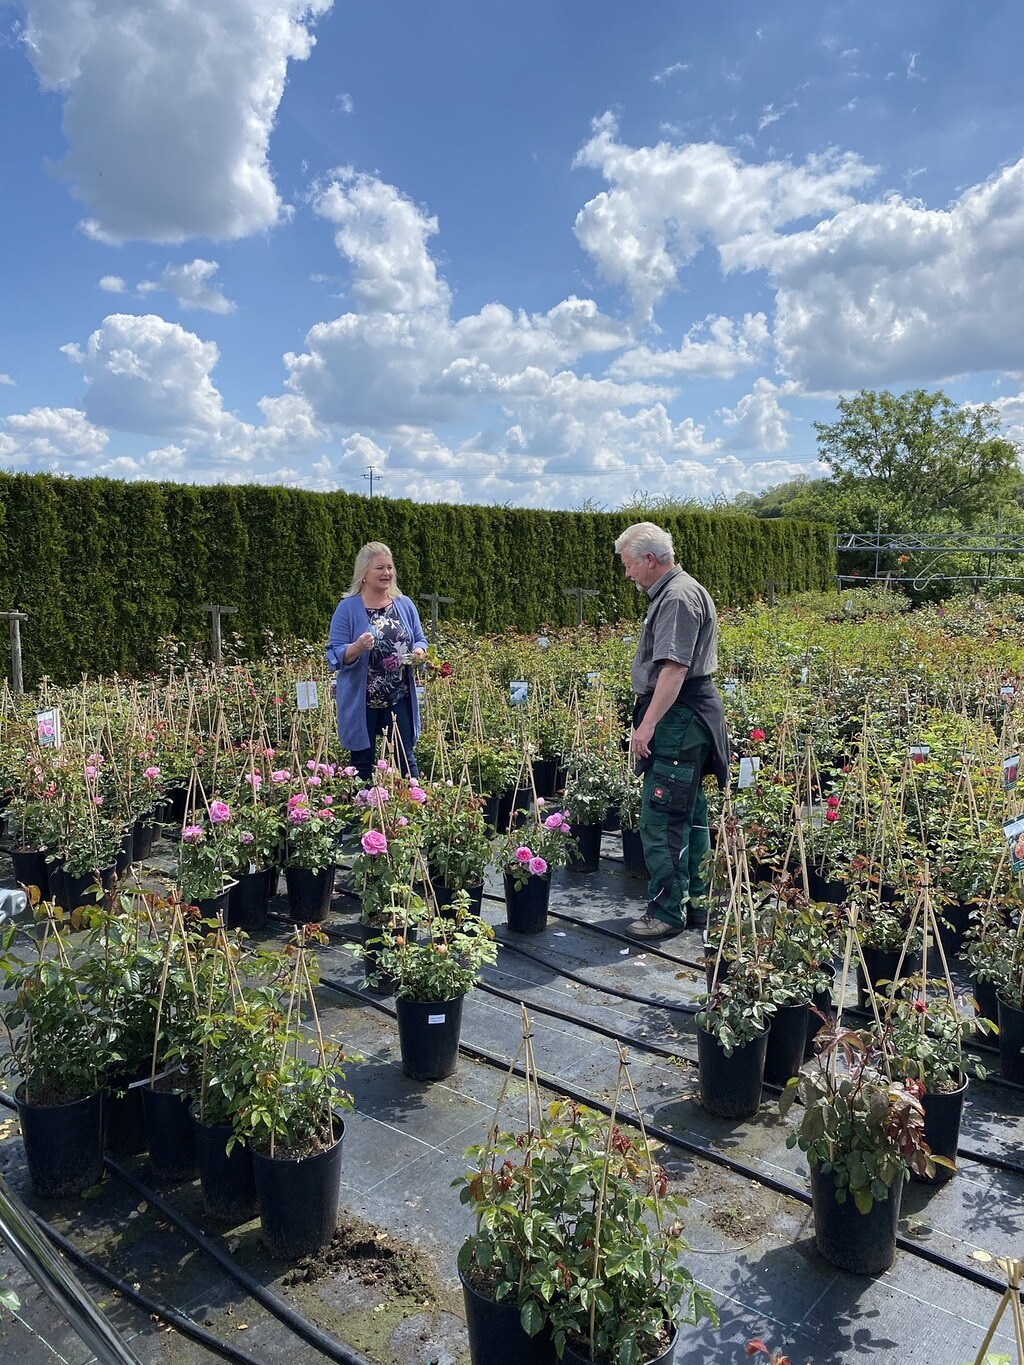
x: 375, y: 640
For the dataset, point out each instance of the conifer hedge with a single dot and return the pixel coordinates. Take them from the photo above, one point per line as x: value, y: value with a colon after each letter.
x: 105, y: 568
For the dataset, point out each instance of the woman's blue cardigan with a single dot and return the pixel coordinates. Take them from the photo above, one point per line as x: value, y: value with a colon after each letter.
x: 347, y: 624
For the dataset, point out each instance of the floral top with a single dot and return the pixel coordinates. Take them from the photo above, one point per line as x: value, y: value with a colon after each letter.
x: 386, y: 681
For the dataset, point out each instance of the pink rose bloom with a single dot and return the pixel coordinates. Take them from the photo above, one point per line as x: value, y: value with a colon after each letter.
x: 94, y: 758
x: 310, y: 765
x: 97, y: 800
x: 280, y: 775
x: 220, y: 812
x: 538, y: 866
x: 373, y: 842
x: 254, y: 780
x: 553, y: 821
x: 328, y: 800
x: 192, y: 834
x: 246, y: 838
x: 376, y: 796
x: 541, y: 802
x: 90, y: 770
x: 417, y: 794
x: 313, y: 780
x: 151, y: 773
x: 402, y: 821
x: 381, y: 765
x: 268, y: 753
x: 325, y: 814
x: 565, y: 827
x: 326, y: 769
x: 298, y: 815
x: 350, y: 771
x: 298, y: 799
x: 523, y: 854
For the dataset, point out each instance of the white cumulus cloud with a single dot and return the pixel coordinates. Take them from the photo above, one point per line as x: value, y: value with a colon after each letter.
x: 50, y: 438
x: 192, y: 285
x: 168, y: 108
x: 717, y: 347
x: 758, y: 421
x: 112, y: 284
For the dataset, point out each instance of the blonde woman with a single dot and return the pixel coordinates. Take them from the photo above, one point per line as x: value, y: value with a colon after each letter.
x: 374, y: 643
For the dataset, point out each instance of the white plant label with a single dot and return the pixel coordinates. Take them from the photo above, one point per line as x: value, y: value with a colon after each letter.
x: 306, y: 698
x: 748, y: 772
x: 48, y: 729
x: 518, y: 691
x: 436, y: 1018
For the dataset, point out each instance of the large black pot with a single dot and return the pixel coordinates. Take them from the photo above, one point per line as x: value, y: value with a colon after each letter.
x: 730, y: 1087
x: 545, y: 777
x: 175, y: 808
x: 123, y: 856
x: 228, y: 1183
x: 30, y: 869
x: 588, y: 837
x: 248, y: 900
x: 498, y: 809
x: 787, y: 1038
x: 819, y: 888
x: 309, y: 893
x: 124, y: 1121
x: 172, y: 1144
x: 299, y: 1199
x: 954, y: 921
x: 527, y: 908
x: 573, y: 1357
x: 985, y: 998
x: 145, y: 831
x: 214, y: 907
x: 862, y: 1243
x: 63, y: 1143
x: 444, y: 895
x: 428, y: 1034
x: 634, y: 864
x: 943, y: 1110
x: 1011, y: 1041
x: 612, y: 822
x: 71, y: 892
x: 882, y: 964
x: 496, y: 1335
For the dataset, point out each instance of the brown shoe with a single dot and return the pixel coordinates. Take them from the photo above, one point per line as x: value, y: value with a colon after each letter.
x: 648, y: 929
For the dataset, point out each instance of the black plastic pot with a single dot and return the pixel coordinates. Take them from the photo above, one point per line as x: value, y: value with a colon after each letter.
x: 498, y: 809
x: 496, y: 1335
x: 573, y: 1357
x: 175, y: 806
x: 445, y: 894
x: 71, y: 892
x: 823, y: 1003
x: 882, y: 964
x: 123, y: 857
x: 299, y: 1199
x: 63, y: 1144
x: 954, y: 921
x: 172, y: 1144
x: 30, y: 869
x: 943, y: 1110
x: 634, y: 864
x: 124, y: 1122
x: 1011, y: 1041
x: 862, y: 1243
x: 985, y: 997
x: 612, y: 822
x: 589, y: 839
x: 730, y: 1087
x: 821, y: 888
x: 309, y: 893
x: 228, y: 1183
x: 248, y: 900
x: 545, y: 777
x: 214, y: 907
x: 144, y: 834
x: 428, y: 1034
x: 787, y: 1038
x: 527, y: 908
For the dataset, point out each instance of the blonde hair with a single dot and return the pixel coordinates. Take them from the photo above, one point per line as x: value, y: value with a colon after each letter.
x: 370, y: 551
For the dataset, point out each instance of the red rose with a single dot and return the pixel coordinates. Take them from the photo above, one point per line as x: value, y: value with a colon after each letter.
x: 831, y: 815
x: 832, y: 801
x: 757, y: 735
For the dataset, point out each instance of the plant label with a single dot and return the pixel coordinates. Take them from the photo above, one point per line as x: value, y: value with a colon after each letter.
x: 436, y: 1018
x: 48, y: 729
x: 593, y: 679
x: 421, y: 695
x: 542, y: 642
x: 306, y: 698
x: 919, y: 753
x: 805, y: 675
x: 1006, y: 691
x: 1014, y: 831
x: 518, y: 691
x: 1011, y: 767
x: 748, y: 772
x: 730, y: 686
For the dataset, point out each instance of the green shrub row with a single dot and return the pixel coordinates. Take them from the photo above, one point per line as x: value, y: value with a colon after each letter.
x: 105, y: 569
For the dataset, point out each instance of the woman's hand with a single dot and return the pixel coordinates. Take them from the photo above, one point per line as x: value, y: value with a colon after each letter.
x: 418, y: 655
x: 365, y: 642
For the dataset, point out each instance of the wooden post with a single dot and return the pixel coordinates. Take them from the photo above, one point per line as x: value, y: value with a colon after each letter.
x: 15, y: 619
x: 216, y: 611
x: 579, y: 594
x: 433, y: 598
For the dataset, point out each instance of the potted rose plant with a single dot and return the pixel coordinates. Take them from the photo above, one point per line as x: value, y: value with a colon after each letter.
x: 595, y: 782
x: 527, y: 857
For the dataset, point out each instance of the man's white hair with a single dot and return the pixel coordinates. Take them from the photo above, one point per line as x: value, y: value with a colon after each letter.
x: 644, y: 538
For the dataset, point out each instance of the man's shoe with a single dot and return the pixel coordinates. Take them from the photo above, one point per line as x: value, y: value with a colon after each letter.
x: 648, y: 929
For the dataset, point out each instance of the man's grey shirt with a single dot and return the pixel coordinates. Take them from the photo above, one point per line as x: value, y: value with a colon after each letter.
x: 681, y: 626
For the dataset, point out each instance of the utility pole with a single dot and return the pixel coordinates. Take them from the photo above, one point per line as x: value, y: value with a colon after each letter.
x: 15, y: 619
x: 216, y: 611
x: 434, y: 598
x: 579, y: 594
x: 878, y: 540
x: 370, y: 472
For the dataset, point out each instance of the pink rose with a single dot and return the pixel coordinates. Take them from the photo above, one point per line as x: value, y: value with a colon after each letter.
x: 314, y: 781
x: 325, y: 814
x: 151, y: 773
x: 554, y: 821
x: 381, y: 765
x: 298, y: 815
x: 90, y: 770
x: 374, y: 842
x: 192, y: 834
x: 246, y: 838
x: 376, y: 796
x: 328, y: 800
x: 538, y: 866
x: 280, y: 775
x: 254, y: 780
x: 417, y: 794
x: 402, y: 821
x: 97, y: 800
x: 311, y: 765
x: 220, y: 812
x: 523, y: 854
x: 350, y: 771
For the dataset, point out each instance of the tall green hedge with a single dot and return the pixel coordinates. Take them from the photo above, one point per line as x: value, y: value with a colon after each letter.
x: 104, y: 568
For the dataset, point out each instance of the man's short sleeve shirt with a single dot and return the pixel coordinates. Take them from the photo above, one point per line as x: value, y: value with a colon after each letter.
x: 681, y: 626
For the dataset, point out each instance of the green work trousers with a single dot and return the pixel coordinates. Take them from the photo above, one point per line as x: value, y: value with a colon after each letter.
x: 674, y: 815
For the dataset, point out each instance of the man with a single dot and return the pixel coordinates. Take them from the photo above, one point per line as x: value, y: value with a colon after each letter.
x: 679, y: 730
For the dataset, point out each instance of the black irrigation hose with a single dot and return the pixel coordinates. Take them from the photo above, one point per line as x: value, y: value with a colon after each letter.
x: 670, y: 1139
x: 273, y: 1303
x: 596, y: 986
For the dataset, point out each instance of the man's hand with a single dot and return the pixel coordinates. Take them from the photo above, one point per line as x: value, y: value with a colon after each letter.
x: 641, y: 739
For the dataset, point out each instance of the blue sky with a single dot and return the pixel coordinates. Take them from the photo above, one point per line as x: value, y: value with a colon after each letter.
x: 550, y: 254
